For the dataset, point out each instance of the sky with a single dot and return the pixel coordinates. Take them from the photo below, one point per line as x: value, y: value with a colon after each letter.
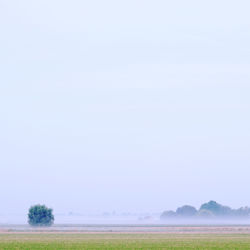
x: 137, y: 106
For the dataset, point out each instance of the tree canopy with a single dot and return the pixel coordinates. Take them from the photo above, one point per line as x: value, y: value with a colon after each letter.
x: 168, y: 215
x: 216, y: 208
x: 186, y: 211
x: 40, y: 215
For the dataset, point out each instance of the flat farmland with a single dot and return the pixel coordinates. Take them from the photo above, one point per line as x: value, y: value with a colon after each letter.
x: 174, y: 238
x: 123, y: 241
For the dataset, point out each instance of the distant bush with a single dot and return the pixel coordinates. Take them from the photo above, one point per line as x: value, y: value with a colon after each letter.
x: 203, y: 213
x: 242, y: 212
x: 40, y: 215
x: 186, y: 211
x: 168, y: 215
x: 217, y: 209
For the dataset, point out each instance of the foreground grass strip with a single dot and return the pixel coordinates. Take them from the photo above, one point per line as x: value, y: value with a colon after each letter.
x: 123, y: 241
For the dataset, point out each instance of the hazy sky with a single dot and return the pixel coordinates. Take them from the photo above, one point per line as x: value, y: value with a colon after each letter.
x: 124, y: 105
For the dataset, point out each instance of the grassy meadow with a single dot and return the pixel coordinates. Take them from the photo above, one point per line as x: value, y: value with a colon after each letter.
x: 76, y: 241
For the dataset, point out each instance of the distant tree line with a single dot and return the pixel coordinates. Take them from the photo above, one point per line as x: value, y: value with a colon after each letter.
x: 211, y: 209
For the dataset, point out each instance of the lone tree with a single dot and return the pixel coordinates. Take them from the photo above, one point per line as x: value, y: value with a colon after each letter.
x: 40, y: 215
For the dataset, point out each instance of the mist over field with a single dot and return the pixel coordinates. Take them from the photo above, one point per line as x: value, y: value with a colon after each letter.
x: 114, y: 112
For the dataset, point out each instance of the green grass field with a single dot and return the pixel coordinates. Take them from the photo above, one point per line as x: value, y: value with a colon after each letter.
x: 124, y: 241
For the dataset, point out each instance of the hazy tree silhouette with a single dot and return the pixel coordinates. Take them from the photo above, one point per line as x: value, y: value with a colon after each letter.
x: 186, y: 211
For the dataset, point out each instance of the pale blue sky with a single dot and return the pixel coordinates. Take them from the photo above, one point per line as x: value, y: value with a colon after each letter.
x: 124, y: 105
